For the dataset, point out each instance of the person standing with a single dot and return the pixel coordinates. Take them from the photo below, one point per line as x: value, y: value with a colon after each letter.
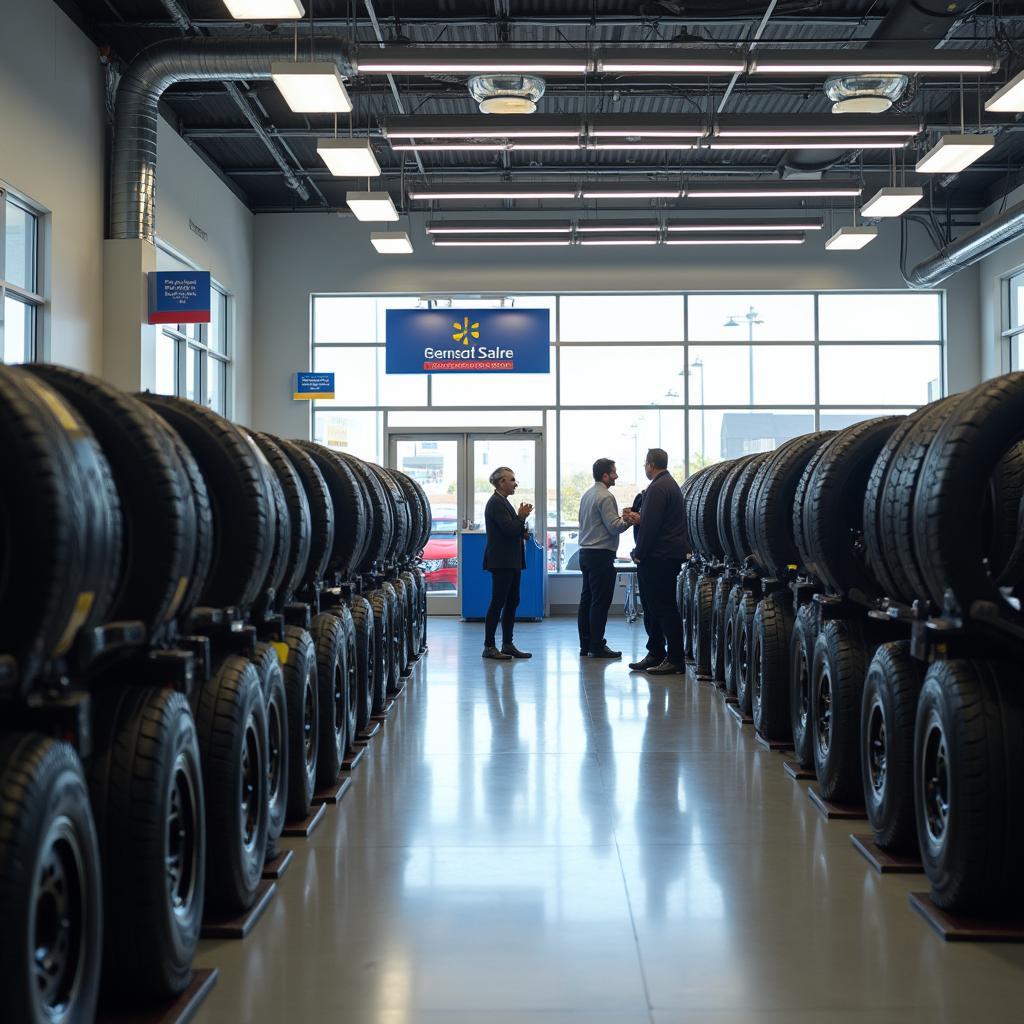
x: 659, y: 553
x: 505, y: 559
x: 600, y: 526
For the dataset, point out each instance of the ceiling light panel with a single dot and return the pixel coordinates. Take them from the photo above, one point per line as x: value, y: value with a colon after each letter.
x: 510, y: 227
x: 781, y: 238
x: 1009, y: 99
x: 891, y: 202
x: 390, y: 243
x: 371, y: 206
x: 746, y: 224
x: 953, y: 153
x: 488, y: 126
x: 852, y: 238
x: 498, y: 241
x: 265, y: 10
x: 797, y: 127
x: 794, y: 188
x: 348, y: 158
x: 433, y: 60
x: 681, y: 60
x: 608, y: 226
x: 840, y: 61
x: 312, y: 88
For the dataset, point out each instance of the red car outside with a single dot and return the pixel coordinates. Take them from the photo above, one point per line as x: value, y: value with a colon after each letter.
x: 441, y: 563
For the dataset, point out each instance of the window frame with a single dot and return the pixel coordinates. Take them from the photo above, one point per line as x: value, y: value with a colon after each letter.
x: 1011, y: 336
x: 34, y: 300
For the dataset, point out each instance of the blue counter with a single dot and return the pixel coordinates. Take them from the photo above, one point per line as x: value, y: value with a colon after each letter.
x: 476, y: 581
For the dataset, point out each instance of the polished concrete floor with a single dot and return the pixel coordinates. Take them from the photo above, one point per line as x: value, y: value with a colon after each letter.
x: 554, y: 842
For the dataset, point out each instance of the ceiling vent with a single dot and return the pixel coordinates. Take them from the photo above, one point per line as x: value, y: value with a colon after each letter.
x: 864, y: 94
x: 506, y: 94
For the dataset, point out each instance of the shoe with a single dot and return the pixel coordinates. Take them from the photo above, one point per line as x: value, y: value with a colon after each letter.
x: 645, y: 663
x: 511, y: 651
x: 496, y: 655
x: 606, y: 652
x: 584, y: 653
x: 667, y: 668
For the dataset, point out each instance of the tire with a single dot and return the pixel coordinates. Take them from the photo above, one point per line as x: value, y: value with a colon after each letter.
x: 332, y: 696
x: 354, y: 694
x: 369, y: 670
x: 769, y: 698
x: 703, y: 599
x: 837, y: 691
x: 393, y: 638
x: 708, y: 541
x: 888, y: 711
x: 741, y: 497
x: 49, y: 871
x: 688, y: 582
x: 1004, y: 538
x: 381, y: 520
x: 159, y: 536
x: 968, y: 777
x: 384, y: 653
x: 729, y: 639
x: 268, y: 668
x: 400, y: 615
x: 801, y: 664
x: 743, y: 624
x: 406, y: 520
x: 691, y: 491
x: 244, y: 514
x: 719, y: 600
x: 147, y: 792
x: 66, y: 502
x: 298, y: 670
x: 232, y: 725
x: 282, y: 535
x: 723, y: 513
x: 421, y: 596
x: 419, y: 511
x: 832, y: 513
x: 412, y: 612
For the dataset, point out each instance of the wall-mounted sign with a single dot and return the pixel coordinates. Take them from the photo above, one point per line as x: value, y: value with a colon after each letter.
x: 309, y: 386
x: 468, y: 341
x: 179, y: 297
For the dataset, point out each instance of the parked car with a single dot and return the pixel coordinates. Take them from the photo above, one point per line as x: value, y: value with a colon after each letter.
x: 441, y: 563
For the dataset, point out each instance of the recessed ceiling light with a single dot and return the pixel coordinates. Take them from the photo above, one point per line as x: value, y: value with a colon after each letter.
x: 1009, y: 99
x: 265, y: 10
x: 371, y: 206
x: 891, y: 202
x: 953, y: 153
x: 313, y: 88
x: 348, y: 158
x: 390, y: 242
x: 852, y: 238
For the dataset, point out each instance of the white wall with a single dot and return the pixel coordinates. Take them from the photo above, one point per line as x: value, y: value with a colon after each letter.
x: 992, y: 273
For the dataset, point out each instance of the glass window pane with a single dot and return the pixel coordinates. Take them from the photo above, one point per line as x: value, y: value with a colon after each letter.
x: 358, y: 433
x: 569, y: 549
x: 751, y: 374
x: 520, y: 455
x: 837, y: 419
x: 621, y: 318
x: 18, y: 331
x: 1016, y: 301
x: 551, y: 447
x: 877, y: 374
x: 192, y: 373
x: 1015, y: 361
x: 166, y: 365
x: 344, y: 319
x: 216, y: 332
x: 20, y: 248
x: 469, y: 418
x: 779, y: 317
x: 355, y: 374
x: 495, y: 389
x: 900, y: 316
x: 605, y: 375
x: 215, y: 386
x: 717, y: 434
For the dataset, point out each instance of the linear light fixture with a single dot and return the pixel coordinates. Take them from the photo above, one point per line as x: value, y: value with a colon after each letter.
x: 747, y: 224
x: 751, y: 239
x: 852, y: 237
x: 653, y: 125
x: 792, y: 188
x: 482, y: 147
x: 874, y: 142
x: 371, y: 206
x: 265, y: 10
x: 504, y: 190
x: 390, y: 243
x: 452, y: 241
x: 682, y: 60
x: 348, y: 158
x: 953, y: 153
x: 485, y: 126
x: 389, y: 60
x: 601, y: 227
x: 1009, y: 99
x: 511, y: 227
x: 738, y: 126
x: 630, y: 192
x: 618, y: 240
x: 312, y: 88
x: 840, y: 61
x: 891, y: 202
x: 650, y: 144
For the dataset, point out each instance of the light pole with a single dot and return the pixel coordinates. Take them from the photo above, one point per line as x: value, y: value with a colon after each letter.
x: 751, y: 316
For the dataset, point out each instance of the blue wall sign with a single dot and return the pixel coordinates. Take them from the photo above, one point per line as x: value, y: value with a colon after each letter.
x: 468, y: 341
x: 309, y: 386
x: 179, y: 297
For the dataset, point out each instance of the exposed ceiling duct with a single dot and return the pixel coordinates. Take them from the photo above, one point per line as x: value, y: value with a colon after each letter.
x: 864, y: 94
x: 506, y: 94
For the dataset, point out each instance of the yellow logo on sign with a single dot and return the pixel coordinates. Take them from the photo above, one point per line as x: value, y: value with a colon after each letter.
x: 464, y: 331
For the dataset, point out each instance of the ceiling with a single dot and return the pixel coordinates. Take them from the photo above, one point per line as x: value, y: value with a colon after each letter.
x: 213, y: 123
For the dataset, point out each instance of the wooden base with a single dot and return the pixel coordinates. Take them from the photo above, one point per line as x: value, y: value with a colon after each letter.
x: 277, y: 866
x: 178, y: 1011
x: 352, y: 758
x: 836, y: 812
x: 795, y: 770
x: 882, y: 861
x: 332, y: 794
x: 958, y: 928
x: 304, y: 829
x: 774, y: 745
x: 240, y: 926
x: 737, y: 713
x: 371, y: 730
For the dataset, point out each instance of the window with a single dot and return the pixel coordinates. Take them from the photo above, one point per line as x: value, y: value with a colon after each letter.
x: 705, y: 376
x: 19, y: 281
x: 1014, y: 323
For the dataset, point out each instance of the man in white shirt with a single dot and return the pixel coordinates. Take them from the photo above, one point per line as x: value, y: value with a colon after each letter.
x: 600, y: 526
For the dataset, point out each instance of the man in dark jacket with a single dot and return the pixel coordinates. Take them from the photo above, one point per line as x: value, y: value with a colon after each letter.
x: 505, y: 559
x: 659, y: 552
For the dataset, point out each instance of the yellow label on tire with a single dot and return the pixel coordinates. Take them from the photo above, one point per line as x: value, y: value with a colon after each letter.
x: 282, y: 652
x: 83, y: 605
x: 179, y: 595
x: 60, y: 409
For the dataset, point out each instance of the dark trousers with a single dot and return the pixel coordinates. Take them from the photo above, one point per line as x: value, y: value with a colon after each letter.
x: 597, y: 566
x: 657, y: 579
x: 504, y: 602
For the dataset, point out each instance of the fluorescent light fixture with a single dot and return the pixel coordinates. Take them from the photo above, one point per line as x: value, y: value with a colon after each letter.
x: 852, y: 238
x: 1009, y: 99
x: 884, y: 61
x: 891, y: 202
x: 630, y: 192
x: 797, y: 143
x: 748, y: 224
x: 481, y: 147
x: 712, y: 239
x: 646, y: 126
x: 791, y: 188
x: 371, y: 206
x: 348, y: 158
x: 731, y: 127
x: 487, y: 126
x: 390, y: 242
x: 498, y: 191
x: 312, y: 88
x: 265, y: 10
x: 489, y: 227
x: 953, y: 153
x: 681, y: 60
x: 604, y: 227
x: 648, y: 145
x: 415, y: 60
x: 618, y: 240
x: 461, y: 241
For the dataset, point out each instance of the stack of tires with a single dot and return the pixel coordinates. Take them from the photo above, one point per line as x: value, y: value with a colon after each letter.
x: 196, y: 624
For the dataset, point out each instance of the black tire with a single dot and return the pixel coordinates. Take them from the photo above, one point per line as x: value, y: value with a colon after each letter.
x: 384, y: 653
x: 421, y: 596
x: 968, y: 778
x: 244, y: 513
x: 888, y: 711
x: 394, y: 637
x: 405, y: 646
x: 268, y: 668
x: 801, y: 664
x: 837, y: 690
x: 719, y: 601
x: 723, y: 513
x: 232, y: 723
x: 743, y: 625
x: 59, y: 492
x: 1004, y: 536
x: 298, y: 669
x: 381, y: 519
x: 688, y: 582
x: 282, y: 535
x: 769, y: 668
x: 406, y: 521
x: 708, y: 541
x: 691, y: 490
x: 729, y: 639
x: 332, y: 696
x: 741, y: 496
x: 147, y: 793
x: 703, y: 600
x: 370, y: 672
x: 417, y: 510
x: 159, y: 537
x: 412, y: 612
x: 354, y: 692
x: 49, y: 875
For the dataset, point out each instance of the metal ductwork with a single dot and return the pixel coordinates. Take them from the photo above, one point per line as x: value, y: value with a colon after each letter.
x: 197, y: 59
x: 968, y: 249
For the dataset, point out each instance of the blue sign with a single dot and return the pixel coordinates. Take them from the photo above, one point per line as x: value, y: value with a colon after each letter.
x: 468, y: 341
x: 313, y: 385
x: 179, y: 297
